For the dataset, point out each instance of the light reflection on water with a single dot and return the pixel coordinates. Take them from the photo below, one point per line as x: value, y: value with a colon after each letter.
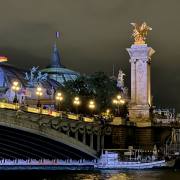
x: 93, y: 175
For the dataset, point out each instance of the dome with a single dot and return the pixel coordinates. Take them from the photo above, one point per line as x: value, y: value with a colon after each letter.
x: 57, y: 71
x: 60, y: 75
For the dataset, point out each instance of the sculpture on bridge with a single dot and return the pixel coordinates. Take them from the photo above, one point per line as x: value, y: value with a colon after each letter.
x: 120, y: 83
x: 120, y: 79
x: 140, y: 32
x: 35, y: 77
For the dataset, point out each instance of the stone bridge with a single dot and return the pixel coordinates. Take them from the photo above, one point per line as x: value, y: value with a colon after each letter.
x: 26, y: 135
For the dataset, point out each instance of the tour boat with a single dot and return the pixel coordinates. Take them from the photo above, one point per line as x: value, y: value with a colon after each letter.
x: 110, y: 160
x: 107, y: 160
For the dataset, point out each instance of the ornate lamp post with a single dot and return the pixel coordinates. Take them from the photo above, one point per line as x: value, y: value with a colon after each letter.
x: 91, y: 105
x: 15, y: 88
x: 39, y: 94
x: 59, y: 98
x: 118, y: 101
x: 76, y: 103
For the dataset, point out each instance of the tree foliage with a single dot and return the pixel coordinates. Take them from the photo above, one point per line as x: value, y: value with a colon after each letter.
x: 97, y: 86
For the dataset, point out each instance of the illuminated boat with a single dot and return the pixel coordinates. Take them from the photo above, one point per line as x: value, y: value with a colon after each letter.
x: 110, y: 160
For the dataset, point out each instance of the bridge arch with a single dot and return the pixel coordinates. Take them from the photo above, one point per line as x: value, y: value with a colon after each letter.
x: 39, y: 141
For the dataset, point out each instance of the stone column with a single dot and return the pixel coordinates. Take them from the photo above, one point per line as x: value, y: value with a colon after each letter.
x: 140, y: 59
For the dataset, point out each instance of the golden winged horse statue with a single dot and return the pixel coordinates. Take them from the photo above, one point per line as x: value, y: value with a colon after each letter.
x: 140, y: 32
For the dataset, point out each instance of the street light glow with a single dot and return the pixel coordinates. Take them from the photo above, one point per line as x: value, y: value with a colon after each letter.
x: 59, y: 96
x: 39, y: 91
x: 108, y: 111
x: 118, y: 97
x: 15, y: 83
x: 115, y: 101
x: 15, y: 86
x: 118, y: 101
x: 76, y: 101
x: 122, y: 101
x: 76, y: 98
x: 91, y: 104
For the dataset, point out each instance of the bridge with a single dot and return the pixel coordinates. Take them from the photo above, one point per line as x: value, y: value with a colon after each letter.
x: 27, y: 135
x: 33, y: 133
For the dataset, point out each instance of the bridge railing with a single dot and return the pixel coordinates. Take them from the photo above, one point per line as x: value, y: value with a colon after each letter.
x: 44, y: 111
x: 166, y: 122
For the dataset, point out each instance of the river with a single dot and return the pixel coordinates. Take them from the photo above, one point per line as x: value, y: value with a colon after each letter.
x: 91, y: 175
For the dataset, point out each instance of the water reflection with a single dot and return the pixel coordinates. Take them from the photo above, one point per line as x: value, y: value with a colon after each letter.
x: 92, y: 175
x: 121, y: 176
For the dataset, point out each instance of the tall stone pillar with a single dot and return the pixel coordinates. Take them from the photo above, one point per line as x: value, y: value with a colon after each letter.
x: 140, y: 59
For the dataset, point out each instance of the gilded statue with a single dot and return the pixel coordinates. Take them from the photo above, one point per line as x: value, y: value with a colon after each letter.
x: 140, y: 32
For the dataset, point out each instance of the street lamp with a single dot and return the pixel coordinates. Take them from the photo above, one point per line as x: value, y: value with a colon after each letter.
x: 15, y: 88
x: 107, y: 112
x: 59, y: 98
x: 91, y: 105
x: 76, y: 102
x: 39, y: 94
x: 118, y: 101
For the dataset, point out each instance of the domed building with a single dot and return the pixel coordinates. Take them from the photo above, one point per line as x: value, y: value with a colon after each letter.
x: 57, y: 71
x: 9, y: 74
x: 49, y: 79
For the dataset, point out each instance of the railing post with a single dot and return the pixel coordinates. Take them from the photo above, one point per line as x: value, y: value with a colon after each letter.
x: 98, y: 142
x: 102, y: 142
x: 76, y: 134
x: 67, y: 132
x: 84, y: 138
x: 91, y: 140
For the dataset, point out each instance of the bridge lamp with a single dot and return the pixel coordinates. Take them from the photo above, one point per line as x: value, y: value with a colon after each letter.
x: 118, y: 101
x: 91, y: 105
x: 15, y: 88
x: 59, y: 99
x: 107, y: 111
x: 39, y: 94
x: 122, y: 101
x: 76, y: 103
x: 118, y: 97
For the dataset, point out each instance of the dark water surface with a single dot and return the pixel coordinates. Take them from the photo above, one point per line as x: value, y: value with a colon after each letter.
x: 91, y: 175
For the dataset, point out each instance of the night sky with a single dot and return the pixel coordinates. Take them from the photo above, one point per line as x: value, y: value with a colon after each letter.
x: 95, y: 34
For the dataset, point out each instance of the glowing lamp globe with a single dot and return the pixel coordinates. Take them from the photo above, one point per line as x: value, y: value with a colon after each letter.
x: 3, y: 59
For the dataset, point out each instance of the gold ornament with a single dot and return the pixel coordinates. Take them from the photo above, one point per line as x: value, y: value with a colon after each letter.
x: 140, y: 32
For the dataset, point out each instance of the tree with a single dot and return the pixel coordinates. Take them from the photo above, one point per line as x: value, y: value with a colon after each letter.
x: 97, y: 86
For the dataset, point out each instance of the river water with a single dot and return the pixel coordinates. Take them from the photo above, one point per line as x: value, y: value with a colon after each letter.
x: 92, y: 175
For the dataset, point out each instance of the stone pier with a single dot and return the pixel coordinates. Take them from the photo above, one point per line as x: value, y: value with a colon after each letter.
x: 140, y: 59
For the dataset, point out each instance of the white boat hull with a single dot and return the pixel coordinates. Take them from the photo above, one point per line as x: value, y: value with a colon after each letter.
x: 137, y: 165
